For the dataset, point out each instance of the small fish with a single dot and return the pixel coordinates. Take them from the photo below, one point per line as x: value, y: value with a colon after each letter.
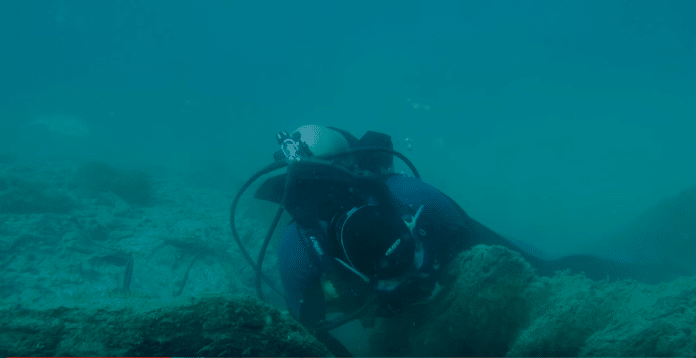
x: 69, y: 125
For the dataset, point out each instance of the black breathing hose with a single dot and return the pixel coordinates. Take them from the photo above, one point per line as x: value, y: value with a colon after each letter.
x: 262, y: 253
x: 269, y: 168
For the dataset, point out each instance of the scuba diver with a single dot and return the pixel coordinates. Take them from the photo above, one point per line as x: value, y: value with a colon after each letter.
x: 368, y: 242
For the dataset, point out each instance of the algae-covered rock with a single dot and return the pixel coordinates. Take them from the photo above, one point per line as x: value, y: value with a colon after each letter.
x: 483, y: 310
x: 495, y: 305
x: 653, y: 320
x: 569, y: 311
x: 581, y: 317
x: 205, y: 326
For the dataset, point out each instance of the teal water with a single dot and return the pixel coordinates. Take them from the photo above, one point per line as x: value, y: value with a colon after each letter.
x: 555, y: 123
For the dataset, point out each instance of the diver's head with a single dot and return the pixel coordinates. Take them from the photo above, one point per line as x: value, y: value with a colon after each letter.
x: 321, y: 140
x: 376, y: 244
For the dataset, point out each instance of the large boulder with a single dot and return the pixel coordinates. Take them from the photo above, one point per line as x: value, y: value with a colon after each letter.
x: 495, y: 305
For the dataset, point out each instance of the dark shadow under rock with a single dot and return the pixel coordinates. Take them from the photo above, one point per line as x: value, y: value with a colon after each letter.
x: 666, y: 233
x: 205, y: 326
x: 19, y: 196
x: 7, y: 158
x: 133, y: 186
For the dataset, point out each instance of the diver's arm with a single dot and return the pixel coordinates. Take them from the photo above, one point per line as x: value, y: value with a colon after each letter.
x: 300, y: 273
x: 301, y: 276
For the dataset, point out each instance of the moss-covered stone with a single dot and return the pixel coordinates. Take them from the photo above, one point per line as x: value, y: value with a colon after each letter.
x: 495, y: 305
x: 205, y: 326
